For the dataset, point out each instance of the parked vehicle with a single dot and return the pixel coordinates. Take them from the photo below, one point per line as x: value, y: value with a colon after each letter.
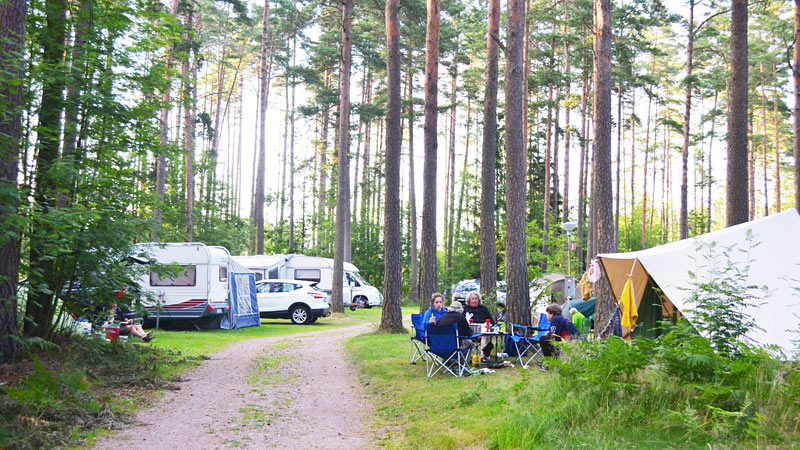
x: 197, y: 287
x: 464, y: 287
x: 356, y: 290
x: 300, y: 301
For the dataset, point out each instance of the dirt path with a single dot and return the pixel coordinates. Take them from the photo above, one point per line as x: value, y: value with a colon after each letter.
x: 287, y: 392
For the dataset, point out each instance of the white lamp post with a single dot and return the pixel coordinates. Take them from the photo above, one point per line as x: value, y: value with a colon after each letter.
x: 569, y: 227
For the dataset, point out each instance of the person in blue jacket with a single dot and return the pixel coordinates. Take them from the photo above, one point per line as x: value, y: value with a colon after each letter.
x: 436, y: 310
x: 560, y: 328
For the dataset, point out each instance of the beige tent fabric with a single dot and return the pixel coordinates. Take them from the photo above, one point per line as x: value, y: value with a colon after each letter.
x: 774, y: 262
x: 617, y: 270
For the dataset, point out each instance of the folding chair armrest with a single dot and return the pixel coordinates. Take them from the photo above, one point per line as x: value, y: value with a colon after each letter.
x: 525, y: 329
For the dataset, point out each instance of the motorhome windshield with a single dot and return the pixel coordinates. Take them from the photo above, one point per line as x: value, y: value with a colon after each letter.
x: 360, y: 280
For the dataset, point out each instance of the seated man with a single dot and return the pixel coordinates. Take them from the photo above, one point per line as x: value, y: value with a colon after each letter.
x: 126, y: 326
x: 577, y: 319
x: 453, y: 315
x: 560, y: 328
x: 480, y: 314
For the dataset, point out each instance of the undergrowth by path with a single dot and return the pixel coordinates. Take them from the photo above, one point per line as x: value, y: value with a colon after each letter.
x: 67, y: 393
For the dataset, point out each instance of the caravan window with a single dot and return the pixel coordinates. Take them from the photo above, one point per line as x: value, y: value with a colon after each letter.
x: 307, y: 274
x: 259, y: 277
x: 187, y: 278
x: 273, y: 274
x: 223, y: 273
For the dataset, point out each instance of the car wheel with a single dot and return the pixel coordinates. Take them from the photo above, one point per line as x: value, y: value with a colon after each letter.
x: 300, y: 315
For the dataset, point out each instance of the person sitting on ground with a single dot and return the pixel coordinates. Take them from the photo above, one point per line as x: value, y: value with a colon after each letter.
x: 126, y: 326
x: 436, y: 310
x: 479, y: 315
x: 560, y: 328
x: 455, y: 316
x: 577, y: 319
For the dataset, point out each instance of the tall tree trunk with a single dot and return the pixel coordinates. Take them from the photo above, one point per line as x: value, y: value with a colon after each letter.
x: 163, y: 138
x: 284, y: 158
x: 751, y: 167
x: 684, y: 219
x: 323, y: 166
x: 343, y: 187
x: 12, y: 49
x: 73, y: 103
x: 189, y: 93
x: 568, y: 83
x: 40, y: 306
x: 451, y: 196
x: 796, y: 109
x: 428, y: 275
x: 601, y: 190
x: 517, y: 299
x: 291, y: 151
x: 617, y: 179
x: 764, y: 138
x: 737, y: 201
x: 547, y: 177
x: 463, y: 187
x: 632, y: 188
x: 582, y: 172
x: 776, y: 124
x: 260, y: 181
x: 391, y: 317
x: 644, y: 177
x: 367, y: 99
x: 710, y: 179
x: 213, y: 153
x: 412, y: 193
x: 526, y: 68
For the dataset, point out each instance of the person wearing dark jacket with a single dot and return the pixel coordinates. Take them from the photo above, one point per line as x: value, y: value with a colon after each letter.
x: 479, y: 313
x: 560, y: 328
x: 454, y: 316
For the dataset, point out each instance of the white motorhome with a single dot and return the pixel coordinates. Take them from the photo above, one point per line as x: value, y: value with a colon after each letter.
x: 357, y: 291
x: 198, y: 293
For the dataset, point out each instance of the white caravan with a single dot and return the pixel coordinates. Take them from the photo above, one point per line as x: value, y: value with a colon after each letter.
x: 357, y: 291
x: 199, y: 292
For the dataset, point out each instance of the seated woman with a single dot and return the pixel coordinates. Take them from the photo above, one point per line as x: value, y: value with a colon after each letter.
x: 480, y: 314
x: 455, y: 315
x: 560, y: 328
x: 436, y: 310
x: 126, y: 326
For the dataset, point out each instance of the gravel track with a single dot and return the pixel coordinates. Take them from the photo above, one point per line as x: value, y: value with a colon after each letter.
x: 296, y: 391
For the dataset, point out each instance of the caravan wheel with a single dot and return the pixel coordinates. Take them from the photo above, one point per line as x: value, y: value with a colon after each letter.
x: 300, y: 315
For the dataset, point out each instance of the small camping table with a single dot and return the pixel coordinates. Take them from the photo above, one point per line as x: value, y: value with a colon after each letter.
x: 496, y: 336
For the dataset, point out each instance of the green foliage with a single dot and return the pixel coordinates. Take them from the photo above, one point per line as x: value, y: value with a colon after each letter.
x: 722, y: 300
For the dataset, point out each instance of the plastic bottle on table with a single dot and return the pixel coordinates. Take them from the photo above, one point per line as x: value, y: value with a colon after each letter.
x: 488, y: 325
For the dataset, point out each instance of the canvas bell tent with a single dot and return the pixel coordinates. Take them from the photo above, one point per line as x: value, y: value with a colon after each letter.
x: 663, y: 286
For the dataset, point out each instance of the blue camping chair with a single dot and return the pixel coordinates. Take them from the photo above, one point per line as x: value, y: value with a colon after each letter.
x: 444, y: 351
x: 417, y: 339
x: 525, y: 341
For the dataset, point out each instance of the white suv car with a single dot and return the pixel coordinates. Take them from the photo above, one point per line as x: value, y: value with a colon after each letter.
x: 298, y: 300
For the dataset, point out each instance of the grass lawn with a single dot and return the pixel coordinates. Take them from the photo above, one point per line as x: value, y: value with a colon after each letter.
x: 511, y: 408
x: 199, y: 344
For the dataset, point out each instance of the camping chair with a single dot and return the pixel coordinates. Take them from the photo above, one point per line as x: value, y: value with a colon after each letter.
x: 417, y: 339
x: 526, y: 341
x: 444, y: 351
